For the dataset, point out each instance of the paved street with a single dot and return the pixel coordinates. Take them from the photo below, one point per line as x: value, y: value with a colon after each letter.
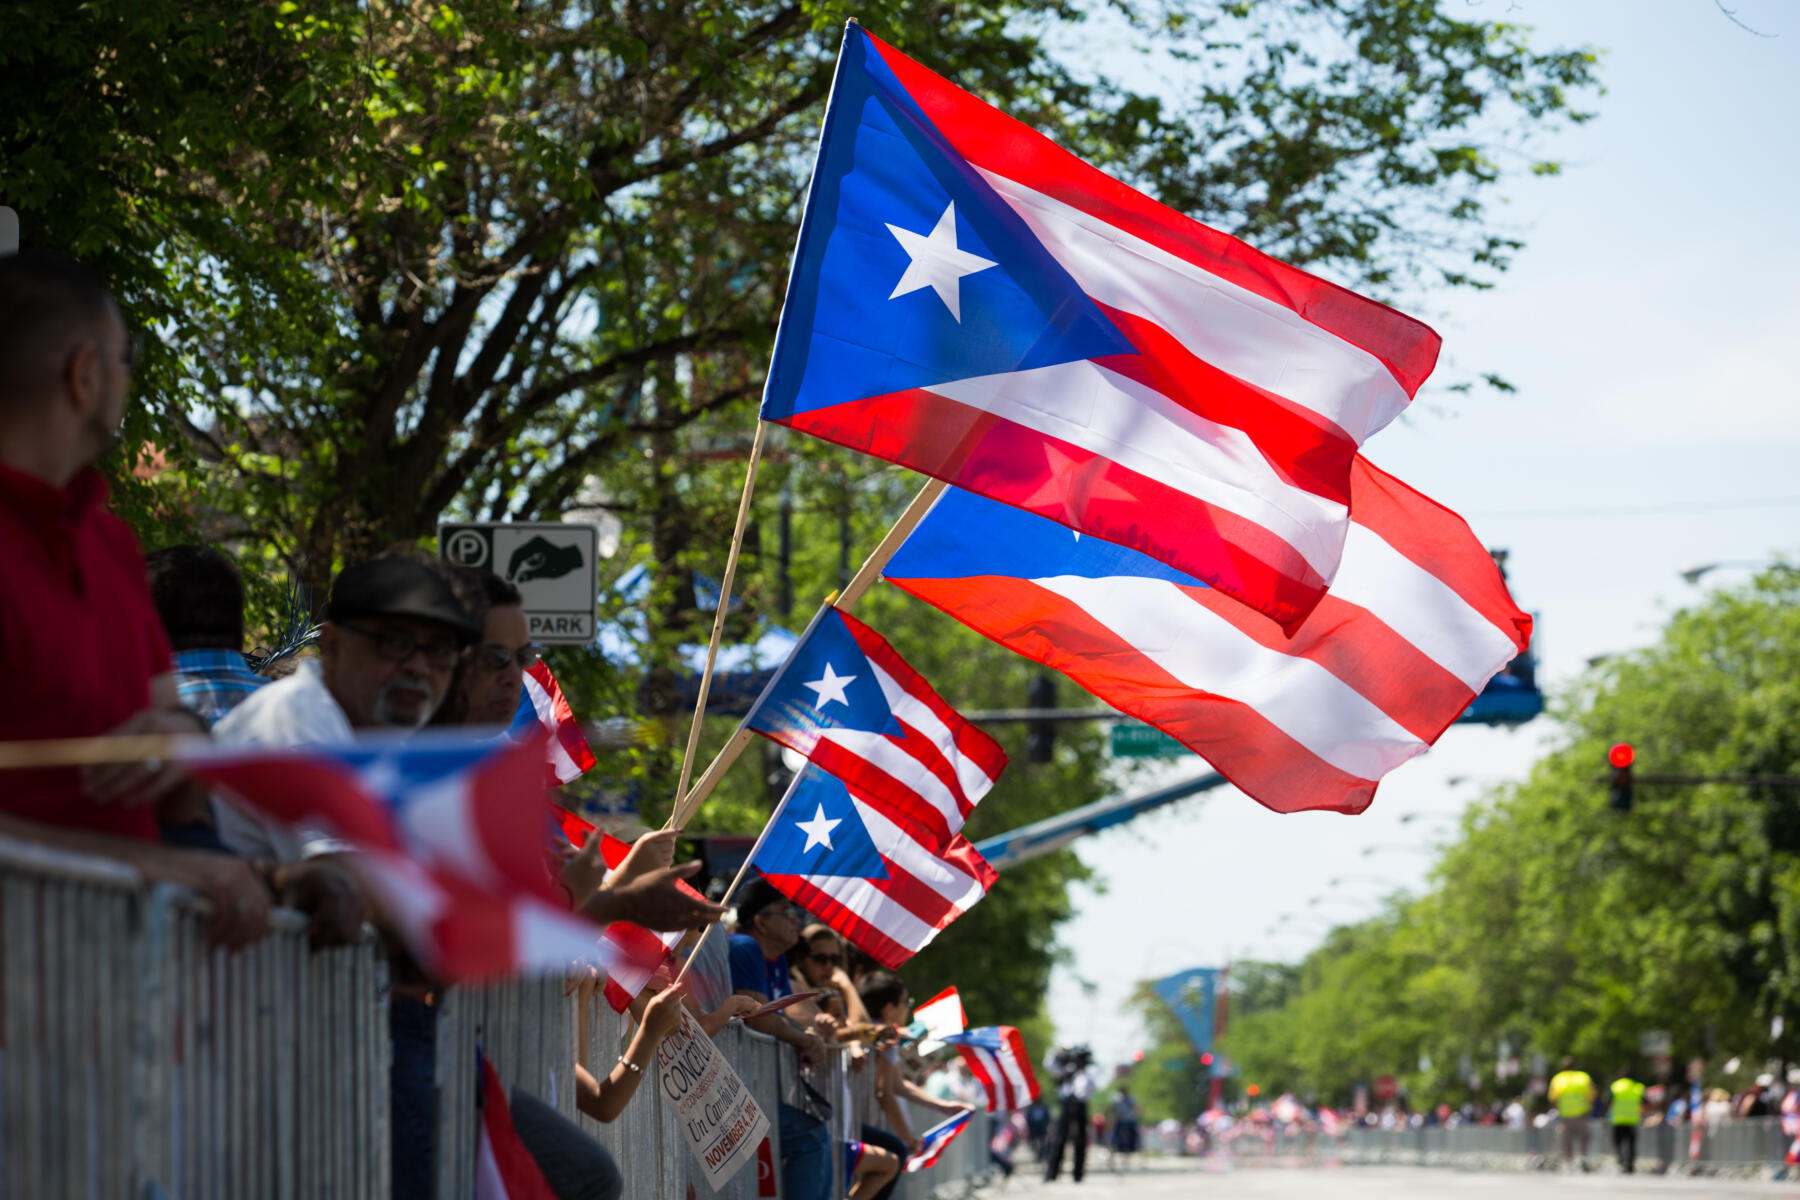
x: 1377, y: 1183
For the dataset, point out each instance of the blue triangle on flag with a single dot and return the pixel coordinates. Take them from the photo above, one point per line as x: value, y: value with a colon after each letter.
x: 826, y: 683
x: 819, y: 833
x: 889, y: 290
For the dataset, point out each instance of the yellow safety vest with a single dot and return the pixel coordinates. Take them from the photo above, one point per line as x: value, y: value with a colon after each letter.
x: 1573, y: 1093
x: 1628, y: 1101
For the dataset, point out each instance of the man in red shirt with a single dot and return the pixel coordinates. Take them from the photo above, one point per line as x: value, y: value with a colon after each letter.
x: 82, y: 652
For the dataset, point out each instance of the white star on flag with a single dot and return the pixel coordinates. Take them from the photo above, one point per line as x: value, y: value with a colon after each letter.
x: 936, y: 262
x: 829, y: 688
x: 818, y: 830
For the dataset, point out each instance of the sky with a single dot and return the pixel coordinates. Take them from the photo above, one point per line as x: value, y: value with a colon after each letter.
x: 1651, y: 326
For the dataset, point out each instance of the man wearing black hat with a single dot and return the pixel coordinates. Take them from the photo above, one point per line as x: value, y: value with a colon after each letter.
x: 392, y: 635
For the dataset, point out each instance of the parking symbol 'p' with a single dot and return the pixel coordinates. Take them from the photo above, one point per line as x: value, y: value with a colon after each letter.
x: 9, y: 230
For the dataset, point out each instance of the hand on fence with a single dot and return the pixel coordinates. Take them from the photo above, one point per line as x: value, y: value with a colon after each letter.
x: 328, y: 895
x: 240, y: 902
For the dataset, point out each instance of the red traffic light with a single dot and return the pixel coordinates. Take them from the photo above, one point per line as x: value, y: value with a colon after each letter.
x: 1137, y: 1056
x: 1621, y: 755
x: 1206, y: 1059
x: 1253, y: 1090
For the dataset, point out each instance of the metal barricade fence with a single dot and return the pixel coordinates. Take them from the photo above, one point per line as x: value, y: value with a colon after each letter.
x: 138, y: 1062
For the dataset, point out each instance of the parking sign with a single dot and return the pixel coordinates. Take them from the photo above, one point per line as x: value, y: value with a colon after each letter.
x: 556, y: 568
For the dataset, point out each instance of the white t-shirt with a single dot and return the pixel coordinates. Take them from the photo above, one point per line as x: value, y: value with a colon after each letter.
x: 296, y: 711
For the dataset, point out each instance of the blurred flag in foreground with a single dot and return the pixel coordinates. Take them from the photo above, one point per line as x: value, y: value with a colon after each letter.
x: 857, y: 864
x: 941, y: 1014
x: 848, y: 701
x: 995, y: 1055
x: 639, y: 952
x: 1417, y: 622
x: 972, y: 301
x: 567, y: 754
x: 504, y: 1168
x: 933, y: 1140
x: 434, y: 819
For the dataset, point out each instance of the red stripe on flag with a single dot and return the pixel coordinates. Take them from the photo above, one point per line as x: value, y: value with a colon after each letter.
x: 865, y: 775
x: 1016, y: 1041
x: 1300, y: 446
x: 1438, y: 540
x: 973, y: 1058
x: 996, y: 142
x: 1345, y: 639
x: 1261, y: 760
x: 972, y: 742
x: 902, y: 889
x: 996, y: 457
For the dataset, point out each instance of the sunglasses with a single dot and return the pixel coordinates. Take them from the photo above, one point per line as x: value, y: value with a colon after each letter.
x: 492, y: 656
x: 830, y: 960
x: 440, y: 653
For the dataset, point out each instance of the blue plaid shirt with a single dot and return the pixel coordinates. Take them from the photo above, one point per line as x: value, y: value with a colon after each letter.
x: 213, y: 682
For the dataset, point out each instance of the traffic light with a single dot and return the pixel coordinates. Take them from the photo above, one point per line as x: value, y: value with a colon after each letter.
x: 1040, y: 736
x: 1206, y: 1060
x: 1621, y: 757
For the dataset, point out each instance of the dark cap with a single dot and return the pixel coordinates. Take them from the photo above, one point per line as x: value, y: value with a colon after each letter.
x: 399, y: 587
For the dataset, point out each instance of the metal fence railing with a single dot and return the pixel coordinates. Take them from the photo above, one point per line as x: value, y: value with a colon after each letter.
x: 137, y: 1059
x: 1739, y: 1145
x: 138, y: 1063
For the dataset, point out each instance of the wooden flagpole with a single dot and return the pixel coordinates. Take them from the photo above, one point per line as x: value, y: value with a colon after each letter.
x: 91, y: 751
x: 712, y: 645
x: 738, y: 879
x: 853, y: 591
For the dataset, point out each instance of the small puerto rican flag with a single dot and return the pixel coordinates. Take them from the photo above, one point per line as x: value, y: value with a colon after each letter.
x: 504, y: 1168
x: 541, y: 703
x: 933, y: 1140
x: 995, y: 1055
x: 637, y: 953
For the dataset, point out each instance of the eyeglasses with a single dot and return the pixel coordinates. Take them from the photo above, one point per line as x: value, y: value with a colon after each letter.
x: 491, y: 656
x: 830, y: 960
x: 440, y: 652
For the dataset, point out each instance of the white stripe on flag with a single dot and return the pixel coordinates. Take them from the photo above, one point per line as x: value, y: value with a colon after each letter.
x: 1420, y: 607
x: 565, y: 767
x: 1298, y: 696
x: 918, y: 861
x: 1234, y: 329
x: 439, y: 827
x: 909, y: 772
x: 918, y: 714
x: 877, y: 908
x: 1015, y: 1078
x: 1139, y: 428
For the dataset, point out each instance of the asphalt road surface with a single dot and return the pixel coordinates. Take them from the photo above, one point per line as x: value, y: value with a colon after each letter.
x: 1169, y: 1181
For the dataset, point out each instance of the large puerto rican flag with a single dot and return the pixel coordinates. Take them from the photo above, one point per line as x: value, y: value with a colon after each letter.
x: 995, y: 1055
x: 846, y: 700
x: 974, y: 302
x: 857, y: 864
x: 1308, y: 718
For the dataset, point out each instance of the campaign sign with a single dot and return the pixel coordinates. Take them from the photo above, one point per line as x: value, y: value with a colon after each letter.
x: 556, y: 568
x: 716, y: 1112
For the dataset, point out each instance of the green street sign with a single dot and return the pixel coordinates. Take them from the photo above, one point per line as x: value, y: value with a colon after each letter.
x: 1131, y: 740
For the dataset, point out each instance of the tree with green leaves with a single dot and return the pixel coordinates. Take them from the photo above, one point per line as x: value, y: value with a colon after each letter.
x: 1558, y: 925
x: 408, y: 260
